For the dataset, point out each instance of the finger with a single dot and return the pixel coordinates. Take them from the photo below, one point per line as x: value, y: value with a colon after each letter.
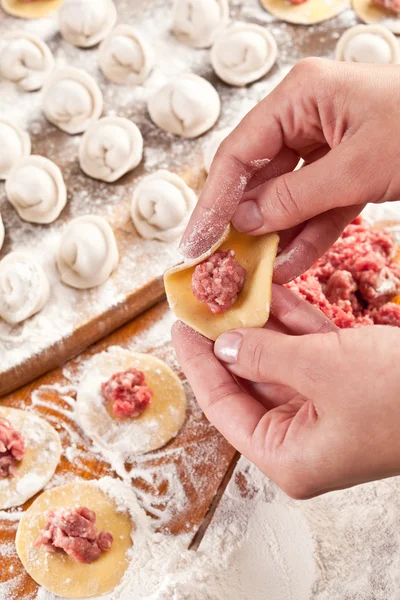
x: 233, y: 412
x: 285, y: 161
x: 270, y: 395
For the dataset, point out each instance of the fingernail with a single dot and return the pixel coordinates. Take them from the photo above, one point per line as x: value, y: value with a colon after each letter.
x: 227, y: 346
x: 248, y: 217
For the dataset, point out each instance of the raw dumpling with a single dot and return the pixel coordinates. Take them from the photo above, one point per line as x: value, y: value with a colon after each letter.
x: 125, y: 57
x: 187, y: 106
x: 30, y: 10
x: 14, y: 143
x: 307, y: 13
x: 2, y: 233
x: 368, y: 44
x: 85, y: 23
x: 377, y: 15
x: 161, y: 206
x: 25, y: 60
x: 24, y: 287
x: 88, y: 252
x: 243, y: 53
x: 36, y: 189
x: 198, y: 22
x: 72, y: 100
x: 212, y: 145
x: 110, y: 148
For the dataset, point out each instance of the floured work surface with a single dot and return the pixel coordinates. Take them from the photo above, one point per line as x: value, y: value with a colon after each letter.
x: 175, y: 485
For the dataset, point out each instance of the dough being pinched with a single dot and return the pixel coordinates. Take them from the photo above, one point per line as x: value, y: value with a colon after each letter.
x: 85, y: 23
x: 25, y: 59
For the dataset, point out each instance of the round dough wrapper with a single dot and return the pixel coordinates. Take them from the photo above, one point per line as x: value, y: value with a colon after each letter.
x: 257, y: 255
x: 376, y: 15
x: 36, y: 189
x: 110, y: 148
x: 85, y: 23
x: 61, y: 574
x: 187, y: 106
x: 212, y: 145
x: 309, y: 13
x: 368, y: 44
x: 30, y: 10
x: 155, y: 427
x: 2, y: 233
x: 198, y: 22
x: 72, y: 100
x: 37, y: 467
x: 125, y: 57
x: 243, y: 53
x: 15, y: 144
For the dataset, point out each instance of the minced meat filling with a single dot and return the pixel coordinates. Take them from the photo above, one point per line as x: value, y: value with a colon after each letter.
x: 12, y: 449
x: 74, y: 532
x: 295, y: 2
x: 393, y: 5
x: 128, y: 393
x: 218, y: 281
x: 355, y: 281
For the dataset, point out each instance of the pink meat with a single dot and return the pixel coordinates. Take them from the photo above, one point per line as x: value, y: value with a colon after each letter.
x: 12, y: 449
x: 295, y: 2
x: 393, y: 5
x: 128, y: 393
x: 218, y: 281
x: 74, y: 532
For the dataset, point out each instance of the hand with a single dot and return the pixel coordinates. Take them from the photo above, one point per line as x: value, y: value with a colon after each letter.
x: 342, y: 118
x: 314, y: 407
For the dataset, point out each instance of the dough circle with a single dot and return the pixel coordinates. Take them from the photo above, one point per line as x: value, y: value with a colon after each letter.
x: 212, y: 145
x: 309, y: 13
x: 24, y: 287
x: 37, y: 467
x: 125, y: 57
x: 257, y: 255
x: 72, y: 100
x: 243, y: 53
x: 368, y: 44
x: 376, y: 15
x: 25, y: 59
x: 187, y: 106
x: 2, y: 233
x: 155, y: 427
x: 36, y: 189
x: 198, y: 22
x: 30, y: 10
x: 88, y: 252
x: 110, y: 148
x: 161, y: 206
x: 61, y: 574
x: 14, y: 143
x: 84, y: 23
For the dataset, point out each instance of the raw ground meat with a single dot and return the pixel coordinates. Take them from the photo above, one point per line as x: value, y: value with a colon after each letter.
x: 393, y: 5
x: 74, y: 532
x: 218, y: 281
x: 295, y: 2
x: 355, y: 281
x: 12, y: 449
x: 128, y: 393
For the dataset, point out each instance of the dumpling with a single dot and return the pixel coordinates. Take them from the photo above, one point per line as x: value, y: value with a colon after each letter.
x: 187, y: 106
x: 110, y: 148
x: 198, y: 22
x: 72, y: 100
x: 2, y: 233
x: 212, y: 145
x: 368, y: 44
x: 243, y: 54
x: 36, y: 189
x: 88, y: 252
x: 161, y: 206
x: 24, y: 287
x: 85, y: 23
x: 25, y: 59
x: 125, y: 57
x: 14, y: 143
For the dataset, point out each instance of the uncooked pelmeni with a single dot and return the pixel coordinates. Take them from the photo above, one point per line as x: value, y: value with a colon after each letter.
x: 368, y: 44
x: 36, y: 189
x: 88, y: 252
x: 85, y: 23
x: 14, y: 143
x: 72, y: 100
x: 187, y: 106
x: 198, y: 22
x: 161, y: 206
x: 25, y: 60
x: 125, y: 57
x: 212, y: 145
x: 24, y: 287
x: 110, y: 148
x: 243, y: 54
x: 2, y: 233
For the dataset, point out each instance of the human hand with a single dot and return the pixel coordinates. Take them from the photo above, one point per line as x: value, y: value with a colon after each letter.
x: 314, y: 407
x: 342, y: 118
